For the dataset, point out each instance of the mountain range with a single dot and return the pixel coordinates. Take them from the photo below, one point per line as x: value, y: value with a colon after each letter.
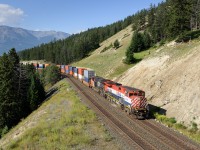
x: 19, y: 38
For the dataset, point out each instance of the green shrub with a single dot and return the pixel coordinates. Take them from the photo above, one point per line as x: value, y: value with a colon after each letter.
x: 4, y: 131
x: 106, y: 48
x: 194, y: 128
x: 172, y: 120
x: 180, y: 126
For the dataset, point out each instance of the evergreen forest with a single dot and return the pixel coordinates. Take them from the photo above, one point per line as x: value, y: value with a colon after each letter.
x: 21, y: 89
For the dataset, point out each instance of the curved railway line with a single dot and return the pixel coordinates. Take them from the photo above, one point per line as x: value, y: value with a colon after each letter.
x: 138, y: 134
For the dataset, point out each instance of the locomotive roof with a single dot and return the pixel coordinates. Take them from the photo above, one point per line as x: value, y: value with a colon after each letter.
x: 98, y: 78
x: 131, y: 88
x: 114, y: 83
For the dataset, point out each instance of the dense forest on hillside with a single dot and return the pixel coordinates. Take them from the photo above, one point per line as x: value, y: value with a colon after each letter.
x: 166, y: 21
x: 21, y: 89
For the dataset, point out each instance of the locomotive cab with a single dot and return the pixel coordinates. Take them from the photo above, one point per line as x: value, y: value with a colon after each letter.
x: 138, y: 102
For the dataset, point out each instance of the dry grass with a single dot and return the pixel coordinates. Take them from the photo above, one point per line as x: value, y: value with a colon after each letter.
x: 109, y: 63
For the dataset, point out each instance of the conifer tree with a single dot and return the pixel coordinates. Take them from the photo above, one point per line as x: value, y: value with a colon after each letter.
x: 137, y: 43
x: 180, y: 16
x: 129, y: 56
x: 52, y: 74
x: 146, y: 40
x: 116, y: 44
x: 36, y: 93
x: 8, y: 100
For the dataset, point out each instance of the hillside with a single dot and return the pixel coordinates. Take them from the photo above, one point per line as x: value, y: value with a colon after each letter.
x: 169, y: 74
x: 61, y: 122
x: 20, y: 39
x: 109, y: 62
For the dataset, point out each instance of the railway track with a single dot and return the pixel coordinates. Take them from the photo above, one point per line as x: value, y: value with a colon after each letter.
x: 180, y: 140
x: 141, y: 134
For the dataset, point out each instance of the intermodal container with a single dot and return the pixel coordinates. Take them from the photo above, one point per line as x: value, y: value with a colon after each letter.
x: 62, y: 70
x: 45, y: 65
x: 75, y: 71
x: 67, y: 69
x: 89, y: 73
x: 40, y: 65
x: 86, y: 79
x: 70, y: 70
x: 81, y: 73
x: 35, y: 65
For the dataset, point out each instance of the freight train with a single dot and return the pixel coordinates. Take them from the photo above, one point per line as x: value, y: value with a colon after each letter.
x: 131, y: 100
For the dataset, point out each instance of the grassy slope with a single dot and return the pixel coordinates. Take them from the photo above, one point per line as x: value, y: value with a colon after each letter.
x: 62, y: 122
x: 109, y: 63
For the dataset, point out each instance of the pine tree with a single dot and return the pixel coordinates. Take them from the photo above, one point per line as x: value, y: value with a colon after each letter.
x: 52, y: 75
x: 180, y: 16
x: 8, y: 100
x: 137, y: 43
x: 33, y: 94
x: 116, y: 44
x: 36, y: 93
x: 129, y: 56
x: 26, y: 72
x: 147, y: 40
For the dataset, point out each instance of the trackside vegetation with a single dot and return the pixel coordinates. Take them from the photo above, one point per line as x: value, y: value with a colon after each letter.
x: 191, y: 131
x: 65, y: 124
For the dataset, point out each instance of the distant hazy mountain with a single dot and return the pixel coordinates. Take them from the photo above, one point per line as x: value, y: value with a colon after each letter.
x: 20, y: 39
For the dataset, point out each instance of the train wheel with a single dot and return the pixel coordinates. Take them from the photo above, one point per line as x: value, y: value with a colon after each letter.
x: 122, y: 106
x: 127, y: 111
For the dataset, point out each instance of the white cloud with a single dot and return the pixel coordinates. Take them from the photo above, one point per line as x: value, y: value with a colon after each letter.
x: 10, y: 16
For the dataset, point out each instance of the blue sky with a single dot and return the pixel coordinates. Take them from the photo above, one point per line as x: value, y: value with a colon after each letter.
x: 71, y: 16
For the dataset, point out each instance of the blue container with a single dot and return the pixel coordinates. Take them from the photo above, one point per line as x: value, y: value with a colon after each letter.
x: 73, y: 69
x: 40, y: 65
x: 62, y: 66
x: 86, y: 79
x: 70, y: 68
x: 67, y: 71
x: 89, y: 73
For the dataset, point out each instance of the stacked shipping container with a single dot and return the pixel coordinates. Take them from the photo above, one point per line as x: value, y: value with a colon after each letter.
x: 67, y: 69
x: 40, y: 66
x: 62, y: 68
x: 75, y: 72
x: 45, y: 65
x: 81, y: 74
x: 35, y: 65
x: 88, y: 74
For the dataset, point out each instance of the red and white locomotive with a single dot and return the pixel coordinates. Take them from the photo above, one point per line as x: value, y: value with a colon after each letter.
x: 130, y: 99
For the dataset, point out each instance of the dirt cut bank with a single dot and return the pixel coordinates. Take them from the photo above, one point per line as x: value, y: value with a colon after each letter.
x: 171, y: 79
